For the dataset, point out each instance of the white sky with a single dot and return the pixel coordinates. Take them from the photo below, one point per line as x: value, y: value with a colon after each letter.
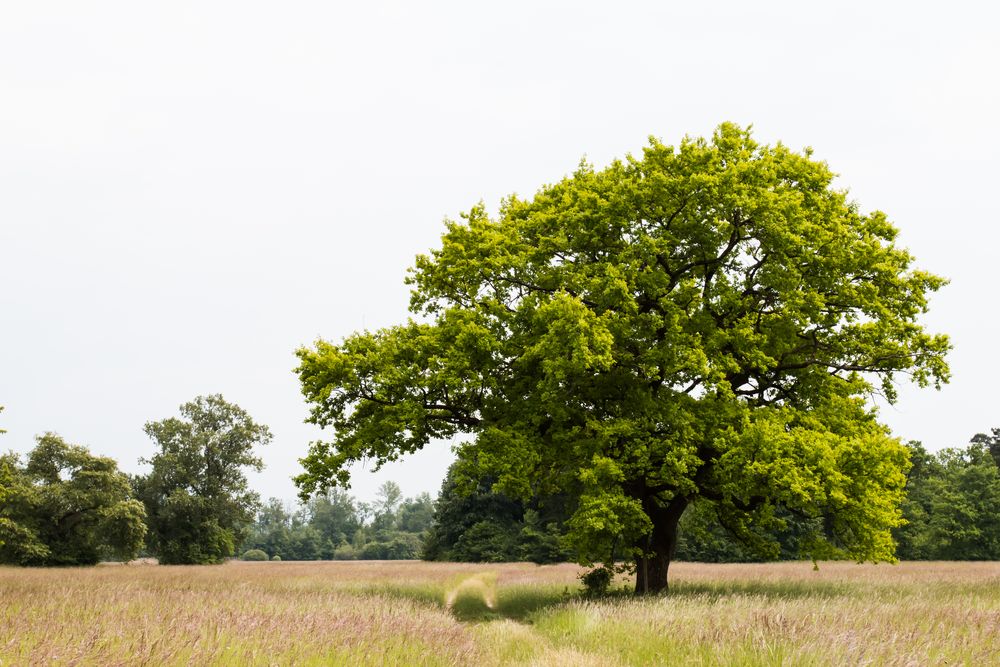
x: 191, y: 190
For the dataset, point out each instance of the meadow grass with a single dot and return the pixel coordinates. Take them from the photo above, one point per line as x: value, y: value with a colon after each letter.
x: 412, y: 613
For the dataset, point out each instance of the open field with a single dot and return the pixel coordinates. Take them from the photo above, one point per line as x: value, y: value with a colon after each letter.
x: 411, y: 613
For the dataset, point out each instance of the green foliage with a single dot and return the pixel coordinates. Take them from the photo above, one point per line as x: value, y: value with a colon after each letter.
x: 334, y: 515
x: 384, y: 509
x: 333, y: 526
x: 703, y: 537
x: 345, y: 552
x: 416, y: 515
x: 952, y: 508
x: 196, y: 495
x: 540, y: 541
x: 66, y: 506
x: 990, y: 443
x: 275, y: 558
x: 597, y: 581
x: 391, y: 546
x: 474, y: 523
x: 698, y: 323
x: 485, y: 542
x: 254, y: 554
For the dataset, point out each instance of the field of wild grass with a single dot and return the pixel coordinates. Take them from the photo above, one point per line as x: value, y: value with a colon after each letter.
x: 411, y: 613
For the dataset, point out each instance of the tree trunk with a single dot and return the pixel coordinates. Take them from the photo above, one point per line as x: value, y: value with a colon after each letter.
x: 660, y: 544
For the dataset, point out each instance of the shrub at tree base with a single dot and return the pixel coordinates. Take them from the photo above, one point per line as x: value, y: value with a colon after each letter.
x: 254, y: 554
x: 597, y: 581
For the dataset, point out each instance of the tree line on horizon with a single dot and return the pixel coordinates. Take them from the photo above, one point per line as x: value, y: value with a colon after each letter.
x: 64, y: 506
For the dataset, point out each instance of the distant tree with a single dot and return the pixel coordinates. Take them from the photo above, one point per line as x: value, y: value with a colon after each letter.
x: 334, y: 526
x: 281, y: 533
x: 335, y: 515
x: 305, y: 543
x: 199, y: 504
x: 472, y: 522
x: 952, y: 509
x: 965, y: 517
x: 541, y: 541
x: 66, y: 506
x: 254, y: 554
x: 395, y: 525
x: 392, y: 546
x: 386, y: 504
x: 415, y: 515
x: 7, y: 478
x: 19, y: 542
x: 925, y: 482
x: 345, y: 552
x: 272, y: 530
x: 989, y: 442
x: 467, y: 500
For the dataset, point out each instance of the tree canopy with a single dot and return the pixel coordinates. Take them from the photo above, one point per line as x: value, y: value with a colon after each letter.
x: 199, y: 503
x: 701, y: 323
x: 65, y: 506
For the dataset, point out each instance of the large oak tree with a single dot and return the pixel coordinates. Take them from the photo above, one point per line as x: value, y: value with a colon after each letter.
x: 704, y: 322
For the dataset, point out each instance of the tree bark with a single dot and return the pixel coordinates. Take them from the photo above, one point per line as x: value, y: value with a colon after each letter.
x: 660, y: 544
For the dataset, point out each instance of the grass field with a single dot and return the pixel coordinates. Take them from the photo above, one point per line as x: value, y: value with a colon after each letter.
x: 411, y: 613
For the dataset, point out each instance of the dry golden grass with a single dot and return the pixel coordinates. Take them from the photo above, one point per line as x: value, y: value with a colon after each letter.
x: 406, y: 613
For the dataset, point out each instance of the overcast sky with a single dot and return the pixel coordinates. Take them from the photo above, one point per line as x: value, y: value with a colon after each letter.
x: 191, y: 190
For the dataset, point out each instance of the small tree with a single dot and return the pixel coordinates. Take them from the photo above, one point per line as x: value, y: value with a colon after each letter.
x: 416, y: 514
x: 696, y: 323
x: 385, y: 507
x: 197, y: 497
x: 66, y: 506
